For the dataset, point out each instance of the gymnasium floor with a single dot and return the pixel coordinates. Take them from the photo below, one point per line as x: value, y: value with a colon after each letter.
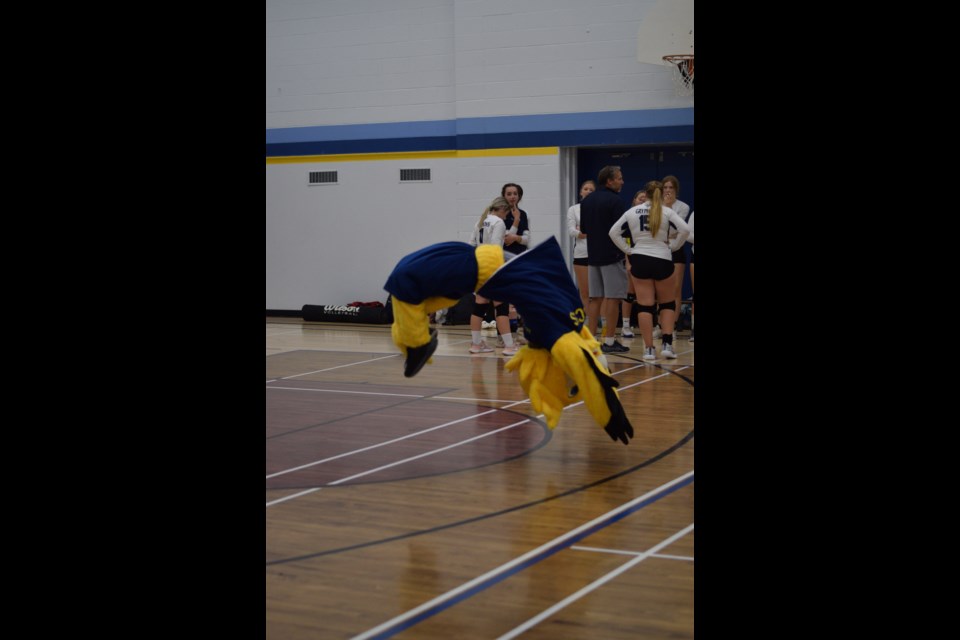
x: 442, y: 506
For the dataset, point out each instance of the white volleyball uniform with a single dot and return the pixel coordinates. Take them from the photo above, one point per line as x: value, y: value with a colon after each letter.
x: 573, y: 230
x: 642, y: 241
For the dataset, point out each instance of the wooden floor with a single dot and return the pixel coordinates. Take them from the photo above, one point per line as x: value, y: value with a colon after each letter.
x: 441, y: 506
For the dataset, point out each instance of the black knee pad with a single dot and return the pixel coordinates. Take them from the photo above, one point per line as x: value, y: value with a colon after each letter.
x: 480, y: 310
x: 631, y: 298
x: 672, y: 306
x: 646, y: 308
x: 503, y: 309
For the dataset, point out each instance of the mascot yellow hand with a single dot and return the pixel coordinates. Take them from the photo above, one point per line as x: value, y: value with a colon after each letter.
x: 543, y: 382
x: 577, y: 355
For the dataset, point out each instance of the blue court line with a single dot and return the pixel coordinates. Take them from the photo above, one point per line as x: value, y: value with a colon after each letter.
x: 402, y: 625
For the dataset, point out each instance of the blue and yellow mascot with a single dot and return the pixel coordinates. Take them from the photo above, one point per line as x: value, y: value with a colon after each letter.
x: 539, y: 285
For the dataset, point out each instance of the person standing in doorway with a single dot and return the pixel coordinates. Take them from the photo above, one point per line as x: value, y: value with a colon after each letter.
x: 650, y: 263
x: 580, y: 244
x: 515, y: 241
x: 692, y: 291
x: 671, y: 189
x: 608, y: 277
x: 490, y: 229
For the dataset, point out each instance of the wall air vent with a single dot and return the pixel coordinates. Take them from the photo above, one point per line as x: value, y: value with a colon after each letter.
x: 414, y: 175
x: 323, y: 177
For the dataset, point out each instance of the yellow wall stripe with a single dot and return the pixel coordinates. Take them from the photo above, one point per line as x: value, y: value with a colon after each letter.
x: 418, y: 155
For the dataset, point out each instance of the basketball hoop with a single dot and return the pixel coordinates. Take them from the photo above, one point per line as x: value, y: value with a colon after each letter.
x: 682, y: 73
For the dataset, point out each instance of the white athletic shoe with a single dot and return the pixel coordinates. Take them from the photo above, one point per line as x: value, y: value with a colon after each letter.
x: 667, y: 351
x: 480, y: 348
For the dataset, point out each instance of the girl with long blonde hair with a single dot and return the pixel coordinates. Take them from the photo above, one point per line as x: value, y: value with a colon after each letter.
x: 651, y: 265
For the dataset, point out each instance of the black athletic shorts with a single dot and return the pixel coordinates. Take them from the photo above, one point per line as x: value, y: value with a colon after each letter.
x: 649, y: 268
x: 580, y: 261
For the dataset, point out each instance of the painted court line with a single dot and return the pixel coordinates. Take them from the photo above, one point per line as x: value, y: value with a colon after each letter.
x: 444, y: 601
x: 412, y: 435
x: 624, y: 552
x: 379, y: 444
x: 341, y: 366
x: 666, y: 556
x: 469, y: 399
x: 365, y: 393
x: 428, y: 453
x: 292, y: 496
x: 537, y: 619
x: 394, y: 464
x: 417, y: 433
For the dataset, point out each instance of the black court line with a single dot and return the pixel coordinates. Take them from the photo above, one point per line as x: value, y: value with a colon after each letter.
x: 494, y: 514
x: 658, y: 366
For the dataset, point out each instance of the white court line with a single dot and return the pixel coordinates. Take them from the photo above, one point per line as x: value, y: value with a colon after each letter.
x: 393, y: 464
x: 366, y: 393
x: 624, y: 552
x: 666, y: 556
x: 292, y: 496
x: 513, y: 633
x: 428, y: 453
x: 379, y: 444
x: 520, y: 560
x: 470, y: 399
x: 621, y: 552
x: 341, y: 366
x: 441, y: 426
x: 281, y: 333
x: 412, y: 435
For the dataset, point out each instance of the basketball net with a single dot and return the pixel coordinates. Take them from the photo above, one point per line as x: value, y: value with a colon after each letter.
x: 682, y: 73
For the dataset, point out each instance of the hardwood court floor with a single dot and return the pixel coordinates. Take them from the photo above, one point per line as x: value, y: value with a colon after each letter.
x: 441, y: 506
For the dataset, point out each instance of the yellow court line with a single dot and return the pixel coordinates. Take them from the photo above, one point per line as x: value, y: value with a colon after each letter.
x: 418, y: 155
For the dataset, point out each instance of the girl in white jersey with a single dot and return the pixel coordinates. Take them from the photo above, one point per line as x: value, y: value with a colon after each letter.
x: 627, y: 307
x: 651, y: 264
x: 690, y: 240
x: 671, y: 189
x: 491, y: 229
x: 580, y: 243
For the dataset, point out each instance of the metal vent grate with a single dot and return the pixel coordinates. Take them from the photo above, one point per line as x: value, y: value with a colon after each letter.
x: 323, y: 177
x: 414, y: 175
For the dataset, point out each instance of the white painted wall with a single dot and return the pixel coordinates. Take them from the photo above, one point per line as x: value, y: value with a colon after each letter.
x: 521, y: 57
x: 333, y: 244
x: 362, y: 61
x: 359, y: 61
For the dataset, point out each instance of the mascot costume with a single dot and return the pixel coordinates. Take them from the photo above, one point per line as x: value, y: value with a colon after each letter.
x: 539, y: 285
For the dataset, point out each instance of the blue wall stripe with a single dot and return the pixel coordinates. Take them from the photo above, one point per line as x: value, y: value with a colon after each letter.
x: 653, y: 135
x: 573, y: 121
x: 576, y: 138
x: 558, y: 129
x: 328, y: 147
